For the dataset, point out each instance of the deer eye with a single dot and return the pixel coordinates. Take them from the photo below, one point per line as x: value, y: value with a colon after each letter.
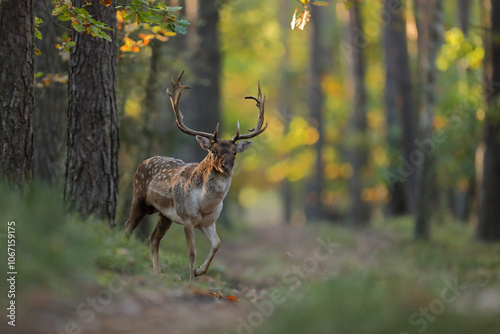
x: 212, y: 151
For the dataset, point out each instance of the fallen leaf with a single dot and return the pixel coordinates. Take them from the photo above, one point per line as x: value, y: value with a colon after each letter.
x: 232, y: 298
x: 46, y: 81
x: 216, y: 295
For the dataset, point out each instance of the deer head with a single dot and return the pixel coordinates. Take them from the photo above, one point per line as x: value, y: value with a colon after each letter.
x: 222, y: 152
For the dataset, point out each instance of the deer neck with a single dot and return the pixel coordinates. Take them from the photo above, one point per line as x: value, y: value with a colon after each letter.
x: 215, y: 183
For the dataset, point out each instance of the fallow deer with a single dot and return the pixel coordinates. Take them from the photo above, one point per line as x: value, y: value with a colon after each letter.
x: 189, y: 194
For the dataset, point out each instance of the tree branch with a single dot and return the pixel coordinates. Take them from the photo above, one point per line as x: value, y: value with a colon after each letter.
x: 49, y: 13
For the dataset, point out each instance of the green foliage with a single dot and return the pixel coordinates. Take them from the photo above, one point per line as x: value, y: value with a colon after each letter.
x: 148, y: 12
x: 460, y: 109
x: 38, y: 34
x: 53, y: 250
x: 154, y: 14
x: 38, y: 21
x: 457, y: 47
x: 80, y: 19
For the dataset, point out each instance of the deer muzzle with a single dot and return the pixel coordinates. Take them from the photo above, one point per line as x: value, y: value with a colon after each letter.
x: 226, y: 166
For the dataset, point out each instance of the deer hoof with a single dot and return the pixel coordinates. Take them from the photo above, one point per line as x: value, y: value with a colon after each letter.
x: 199, y: 272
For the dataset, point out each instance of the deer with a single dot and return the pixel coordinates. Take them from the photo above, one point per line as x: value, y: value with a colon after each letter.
x: 189, y: 194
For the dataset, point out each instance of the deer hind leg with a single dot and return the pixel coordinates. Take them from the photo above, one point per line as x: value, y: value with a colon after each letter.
x: 137, y: 212
x: 189, y: 232
x: 211, y: 233
x: 154, y: 240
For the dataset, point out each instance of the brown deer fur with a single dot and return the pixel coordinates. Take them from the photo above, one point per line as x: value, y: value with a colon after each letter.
x: 189, y: 194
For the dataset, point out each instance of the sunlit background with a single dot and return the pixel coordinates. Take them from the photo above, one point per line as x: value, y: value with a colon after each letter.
x: 256, y: 43
x: 322, y: 207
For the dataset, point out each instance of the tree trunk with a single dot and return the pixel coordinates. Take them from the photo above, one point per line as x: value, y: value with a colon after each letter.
x: 319, y: 60
x: 488, y: 228
x: 91, y: 165
x: 463, y: 197
x: 399, y: 108
x: 426, y: 127
x: 51, y: 103
x: 204, y: 101
x: 357, y: 154
x: 463, y: 15
x: 17, y: 18
x: 286, y: 104
x: 148, y: 140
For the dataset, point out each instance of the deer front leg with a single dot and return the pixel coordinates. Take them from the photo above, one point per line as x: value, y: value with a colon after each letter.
x: 189, y: 233
x: 211, y: 233
x: 154, y: 240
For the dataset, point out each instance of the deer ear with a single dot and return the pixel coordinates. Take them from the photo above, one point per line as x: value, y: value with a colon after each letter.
x: 205, y: 143
x: 242, y: 146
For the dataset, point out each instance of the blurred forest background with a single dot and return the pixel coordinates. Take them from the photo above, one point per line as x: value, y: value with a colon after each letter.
x: 376, y: 108
x: 383, y: 118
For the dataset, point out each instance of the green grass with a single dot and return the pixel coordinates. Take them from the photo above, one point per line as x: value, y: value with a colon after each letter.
x: 358, y: 304
x: 57, y: 251
x: 397, y: 285
x: 377, y: 281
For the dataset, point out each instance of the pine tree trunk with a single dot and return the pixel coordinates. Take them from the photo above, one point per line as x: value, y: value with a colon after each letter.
x: 92, y: 147
x: 319, y: 55
x: 399, y: 107
x: 204, y: 101
x: 148, y: 140
x: 286, y: 104
x: 488, y: 228
x: 463, y: 15
x: 426, y: 127
x: 463, y: 197
x: 357, y: 155
x: 51, y: 103
x: 17, y: 66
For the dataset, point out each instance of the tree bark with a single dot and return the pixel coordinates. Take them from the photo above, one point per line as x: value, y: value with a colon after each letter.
x: 399, y: 108
x: 319, y: 60
x: 463, y: 15
x: 204, y: 101
x: 149, y: 139
x: 426, y: 127
x: 286, y: 105
x: 463, y: 198
x: 92, y: 146
x: 51, y: 102
x: 17, y: 18
x: 357, y: 154
x: 488, y: 228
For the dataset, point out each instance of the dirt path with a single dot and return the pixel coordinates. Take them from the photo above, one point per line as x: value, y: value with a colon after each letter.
x: 251, y: 267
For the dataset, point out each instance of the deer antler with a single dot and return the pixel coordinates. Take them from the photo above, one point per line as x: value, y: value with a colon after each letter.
x: 174, y: 98
x: 258, y: 129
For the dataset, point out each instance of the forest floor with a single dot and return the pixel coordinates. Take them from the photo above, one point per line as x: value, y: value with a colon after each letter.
x: 249, y: 268
x: 275, y: 279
